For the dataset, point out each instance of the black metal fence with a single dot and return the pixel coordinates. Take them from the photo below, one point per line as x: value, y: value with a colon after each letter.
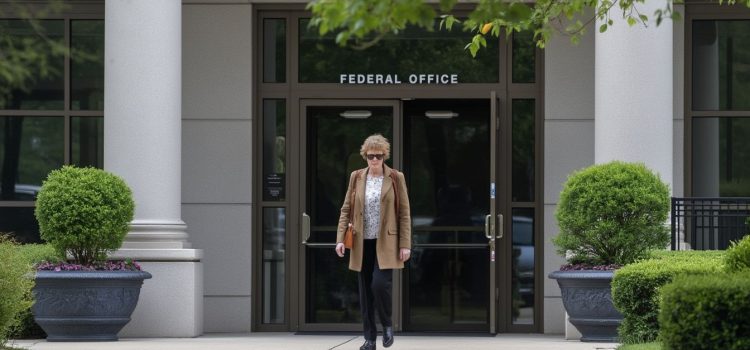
x: 708, y: 223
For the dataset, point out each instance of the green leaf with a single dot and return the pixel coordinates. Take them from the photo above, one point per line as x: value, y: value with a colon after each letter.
x: 632, y: 21
x: 603, y: 28
x: 449, y: 21
x: 473, y: 48
x: 359, y: 25
x: 342, y: 37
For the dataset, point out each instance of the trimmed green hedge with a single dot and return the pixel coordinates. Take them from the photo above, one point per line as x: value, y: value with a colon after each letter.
x: 738, y: 255
x: 32, y: 254
x: 36, y: 253
x: 15, y: 287
x: 635, y: 288
x: 706, y: 312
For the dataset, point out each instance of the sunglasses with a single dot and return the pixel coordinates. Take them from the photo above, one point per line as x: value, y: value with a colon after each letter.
x: 375, y: 156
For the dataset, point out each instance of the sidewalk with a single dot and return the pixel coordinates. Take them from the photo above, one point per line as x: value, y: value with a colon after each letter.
x: 290, y: 341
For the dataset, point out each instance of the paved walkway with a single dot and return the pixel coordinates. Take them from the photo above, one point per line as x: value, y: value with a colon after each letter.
x: 289, y: 341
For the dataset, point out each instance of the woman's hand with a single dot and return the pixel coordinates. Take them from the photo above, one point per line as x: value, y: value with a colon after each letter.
x: 404, y: 254
x: 340, y: 249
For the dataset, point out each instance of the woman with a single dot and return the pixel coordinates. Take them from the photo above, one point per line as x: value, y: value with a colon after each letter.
x: 382, y: 237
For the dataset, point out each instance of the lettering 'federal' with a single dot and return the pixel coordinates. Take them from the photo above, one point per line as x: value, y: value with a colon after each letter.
x: 379, y: 79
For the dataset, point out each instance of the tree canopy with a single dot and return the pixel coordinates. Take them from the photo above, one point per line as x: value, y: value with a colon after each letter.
x: 361, y: 23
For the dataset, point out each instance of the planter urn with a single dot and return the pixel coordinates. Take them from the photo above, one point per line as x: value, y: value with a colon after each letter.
x: 85, y: 305
x: 587, y: 297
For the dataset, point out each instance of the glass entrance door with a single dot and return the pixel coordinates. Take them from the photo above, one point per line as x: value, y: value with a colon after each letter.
x: 446, y: 149
x: 332, y: 134
x: 448, y: 162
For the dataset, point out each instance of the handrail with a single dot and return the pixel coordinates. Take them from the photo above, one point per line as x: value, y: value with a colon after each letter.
x: 708, y: 223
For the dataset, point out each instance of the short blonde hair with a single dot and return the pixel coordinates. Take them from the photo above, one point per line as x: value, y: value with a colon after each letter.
x: 376, y: 142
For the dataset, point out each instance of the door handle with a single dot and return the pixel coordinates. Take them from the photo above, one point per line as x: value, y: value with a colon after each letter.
x: 305, y: 227
x: 500, y: 223
x: 487, y: 226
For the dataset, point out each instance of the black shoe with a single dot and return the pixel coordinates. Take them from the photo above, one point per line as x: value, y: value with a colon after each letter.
x: 368, y: 345
x: 387, y: 336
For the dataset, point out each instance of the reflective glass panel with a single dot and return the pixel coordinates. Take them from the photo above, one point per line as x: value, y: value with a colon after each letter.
x: 44, y: 87
x: 522, y: 278
x: 274, y: 50
x: 87, y: 65
x: 274, y: 150
x: 523, y: 150
x: 446, y: 161
x: 721, y: 65
x: 413, y: 51
x: 448, y: 289
x: 721, y: 157
x: 524, y: 57
x: 30, y: 147
x: 331, y: 295
x: 87, y: 141
x: 274, y: 258
x: 20, y: 223
x: 334, y: 140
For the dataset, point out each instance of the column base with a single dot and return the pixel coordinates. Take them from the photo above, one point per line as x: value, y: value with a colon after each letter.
x: 171, y: 303
x: 157, y: 234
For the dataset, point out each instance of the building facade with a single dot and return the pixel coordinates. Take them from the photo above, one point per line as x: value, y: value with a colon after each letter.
x: 237, y: 126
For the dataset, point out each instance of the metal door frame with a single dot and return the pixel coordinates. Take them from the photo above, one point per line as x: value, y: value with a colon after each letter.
x: 298, y: 236
x: 296, y: 94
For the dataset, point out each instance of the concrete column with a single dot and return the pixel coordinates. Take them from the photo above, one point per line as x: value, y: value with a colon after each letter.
x: 633, y: 93
x: 633, y: 103
x: 142, y: 133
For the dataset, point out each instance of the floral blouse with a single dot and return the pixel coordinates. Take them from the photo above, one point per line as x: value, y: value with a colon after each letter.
x: 372, y: 206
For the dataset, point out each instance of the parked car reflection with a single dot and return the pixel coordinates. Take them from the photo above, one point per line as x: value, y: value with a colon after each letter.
x: 22, y: 192
x: 522, y: 253
x: 523, y: 257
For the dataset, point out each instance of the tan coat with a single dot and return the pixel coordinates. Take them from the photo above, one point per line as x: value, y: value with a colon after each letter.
x: 390, y: 239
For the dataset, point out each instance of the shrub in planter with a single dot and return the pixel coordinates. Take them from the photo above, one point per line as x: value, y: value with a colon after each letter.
x: 737, y: 257
x: 706, y: 312
x: 609, y: 215
x: 612, y: 214
x: 15, y: 287
x: 85, y: 213
x: 635, y: 288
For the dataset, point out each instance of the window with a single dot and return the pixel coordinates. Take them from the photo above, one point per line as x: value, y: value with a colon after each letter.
x: 718, y: 113
x: 55, y: 119
x: 414, y: 50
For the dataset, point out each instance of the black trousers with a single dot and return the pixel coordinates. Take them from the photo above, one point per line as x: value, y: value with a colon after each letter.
x: 374, y: 291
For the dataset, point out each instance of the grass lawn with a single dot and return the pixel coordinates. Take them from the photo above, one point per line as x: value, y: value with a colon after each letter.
x: 643, y: 346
